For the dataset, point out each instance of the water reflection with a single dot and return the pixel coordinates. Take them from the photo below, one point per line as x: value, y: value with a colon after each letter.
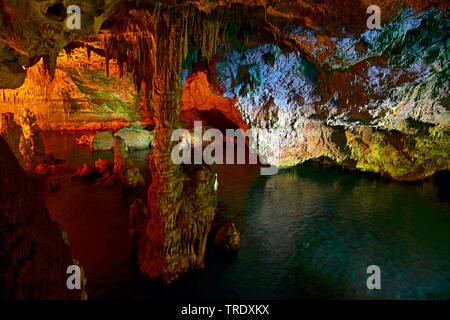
x: 308, y: 232
x: 331, y: 226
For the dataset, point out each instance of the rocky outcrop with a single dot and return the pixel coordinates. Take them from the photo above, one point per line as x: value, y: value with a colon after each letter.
x: 228, y: 237
x: 33, y: 251
x: 103, y: 141
x: 127, y: 173
x: 80, y: 96
x: 136, y: 137
x: 25, y: 139
x: 31, y: 145
x: 199, y: 95
x: 392, y: 85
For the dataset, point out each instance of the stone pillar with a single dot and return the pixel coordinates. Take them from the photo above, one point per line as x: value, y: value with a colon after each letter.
x: 181, y: 210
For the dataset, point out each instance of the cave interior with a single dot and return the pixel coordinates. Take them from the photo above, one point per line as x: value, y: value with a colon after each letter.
x: 88, y: 115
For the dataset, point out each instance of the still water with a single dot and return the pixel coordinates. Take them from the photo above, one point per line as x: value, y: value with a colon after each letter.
x: 309, y: 232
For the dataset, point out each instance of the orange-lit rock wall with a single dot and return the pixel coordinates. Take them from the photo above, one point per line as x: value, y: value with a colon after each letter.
x: 80, y: 97
x: 33, y: 253
x: 199, y: 95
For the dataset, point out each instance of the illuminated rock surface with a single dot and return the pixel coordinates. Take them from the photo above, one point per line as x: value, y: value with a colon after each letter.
x: 306, y: 72
x: 103, y: 141
x: 228, y: 237
x: 136, y: 137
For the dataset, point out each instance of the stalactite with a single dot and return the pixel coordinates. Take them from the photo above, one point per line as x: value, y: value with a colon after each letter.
x: 153, y: 45
x: 50, y: 65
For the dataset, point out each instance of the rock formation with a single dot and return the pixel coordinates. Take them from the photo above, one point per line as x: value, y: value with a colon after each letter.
x: 228, y: 237
x: 33, y: 252
x: 31, y: 145
x: 136, y: 137
x: 307, y: 73
x: 103, y: 141
x: 25, y: 139
x: 127, y: 173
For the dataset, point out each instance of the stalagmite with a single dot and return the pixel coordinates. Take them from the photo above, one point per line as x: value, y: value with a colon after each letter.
x: 181, y: 199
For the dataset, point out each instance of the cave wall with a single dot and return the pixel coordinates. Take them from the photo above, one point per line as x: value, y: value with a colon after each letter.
x: 79, y: 97
x: 304, y: 70
x: 34, y: 253
x: 377, y: 102
x: 310, y: 87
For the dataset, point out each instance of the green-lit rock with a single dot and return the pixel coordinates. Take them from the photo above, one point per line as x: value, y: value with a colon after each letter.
x: 103, y: 141
x: 136, y: 137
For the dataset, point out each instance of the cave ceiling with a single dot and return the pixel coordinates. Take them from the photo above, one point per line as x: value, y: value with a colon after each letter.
x: 32, y: 29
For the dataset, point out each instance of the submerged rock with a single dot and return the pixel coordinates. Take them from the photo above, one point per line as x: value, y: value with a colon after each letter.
x: 25, y: 139
x: 136, y: 137
x: 103, y: 141
x: 120, y: 154
x: 42, y: 169
x: 109, y: 181
x: 127, y: 173
x: 103, y: 166
x: 85, y: 140
x: 228, y: 237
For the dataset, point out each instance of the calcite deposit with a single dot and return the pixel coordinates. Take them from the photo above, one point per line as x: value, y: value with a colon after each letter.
x: 24, y: 139
x: 127, y: 173
x: 307, y: 76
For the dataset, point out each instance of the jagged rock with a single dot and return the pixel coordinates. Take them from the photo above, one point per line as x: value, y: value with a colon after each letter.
x: 31, y: 145
x: 25, y: 140
x: 103, y: 141
x: 120, y: 154
x: 104, y: 166
x: 228, y: 237
x: 85, y: 140
x: 12, y: 133
x: 301, y: 113
x: 131, y: 177
x: 42, y: 169
x: 87, y: 172
x: 136, y: 137
x: 32, y: 250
